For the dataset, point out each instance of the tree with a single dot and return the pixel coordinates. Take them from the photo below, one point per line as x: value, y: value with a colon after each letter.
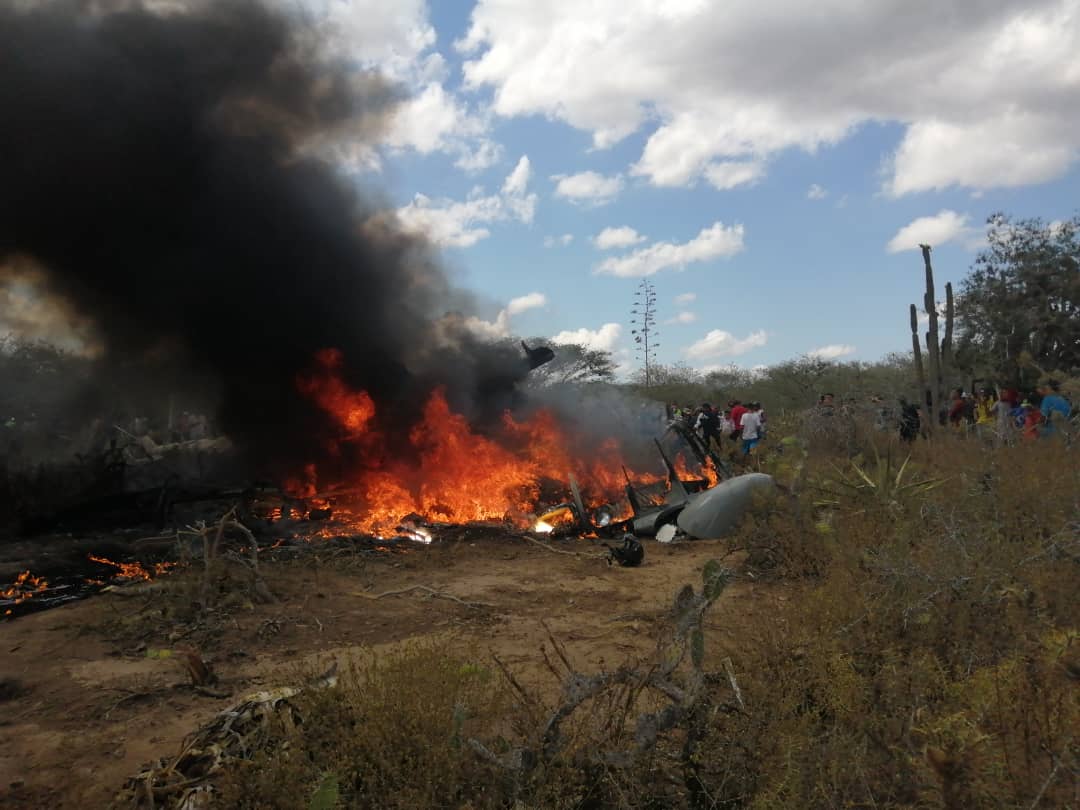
x: 573, y: 364
x: 1022, y: 298
x: 644, y: 319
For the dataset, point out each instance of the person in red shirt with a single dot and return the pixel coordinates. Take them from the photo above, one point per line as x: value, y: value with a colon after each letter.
x: 956, y: 409
x: 1033, y: 420
x: 737, y: 411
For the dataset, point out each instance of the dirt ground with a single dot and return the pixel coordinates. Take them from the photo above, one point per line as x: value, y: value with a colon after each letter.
x: 80, y: 711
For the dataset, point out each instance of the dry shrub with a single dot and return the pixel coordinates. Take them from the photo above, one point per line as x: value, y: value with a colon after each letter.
x: 930, y: 659
x: 393, y: 733
x: 784, y: 537
x: 935, y: 663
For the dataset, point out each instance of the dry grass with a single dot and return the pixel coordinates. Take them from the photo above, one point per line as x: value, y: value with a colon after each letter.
x: 392, y: 734
x: 930, y: 659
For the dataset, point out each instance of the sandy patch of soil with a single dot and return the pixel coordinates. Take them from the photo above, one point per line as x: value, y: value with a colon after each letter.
x: 82, y: 711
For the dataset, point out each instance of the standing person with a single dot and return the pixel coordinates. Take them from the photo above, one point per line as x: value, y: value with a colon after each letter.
x: 727, y: 426
x: 709, y: 424
x: 751, y: 428
x: 1055, y: 409
x: 1003, y: 421
x: 956, y: 409
x: 1033, y: 418
x: 909, y: 420
x: 689, y: 416
x: 985, y: 413
x: 737, y: 413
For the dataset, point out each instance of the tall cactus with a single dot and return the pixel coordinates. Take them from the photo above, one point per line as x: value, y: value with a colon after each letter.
x: 916, y: 349
x: 938, y: 352
x: 946, y: 342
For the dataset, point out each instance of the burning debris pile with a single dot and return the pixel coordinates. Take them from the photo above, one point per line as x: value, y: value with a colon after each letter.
x: 189, y: 210
x: 451, y: 471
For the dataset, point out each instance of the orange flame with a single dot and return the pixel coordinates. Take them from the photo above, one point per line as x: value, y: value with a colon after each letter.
x: 707, y: 471
x: 133, y: 570
x: 712, y: 476
x: 353, y: 409
x: 24, y: 587
x: 457, y: 475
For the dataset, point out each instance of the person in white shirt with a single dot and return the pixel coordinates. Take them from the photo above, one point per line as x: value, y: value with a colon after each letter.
x: 751, y: 428
x: 727, y: 427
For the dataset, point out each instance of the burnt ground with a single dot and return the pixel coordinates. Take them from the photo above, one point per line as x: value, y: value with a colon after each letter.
x: 82, y: 707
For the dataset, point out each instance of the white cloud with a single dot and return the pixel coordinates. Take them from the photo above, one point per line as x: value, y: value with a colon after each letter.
x: 500, y: 327
x: 621, y: 237
x: 685, y: 298
x: 489, y: 330
x: 523, y: 303
x: 1002, y: 151
x: 451, y: 224
x: 816, y: 192
x: 682, y: 317
x: 517, y: 181
x: 461, y: 224
x: 558, y: 241
x: 832, y: 352
x: 943, y: 227
x: 432, y: 120
x: 485, y: 154
x: 987, y: 99
x: 717, y: 241
x: 587, y: 187
x: 603, y: 339
x: 719, y: 343
x: 397, y: 41
x: 389, y: 37
x: 731, y: 173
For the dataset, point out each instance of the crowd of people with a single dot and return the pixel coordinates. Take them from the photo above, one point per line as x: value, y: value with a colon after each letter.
x: 742, y: 424
x: 1003, y: 417
x: 1008, y: 414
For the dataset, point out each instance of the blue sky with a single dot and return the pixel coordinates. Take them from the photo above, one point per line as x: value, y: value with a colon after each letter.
x: 836, y: 180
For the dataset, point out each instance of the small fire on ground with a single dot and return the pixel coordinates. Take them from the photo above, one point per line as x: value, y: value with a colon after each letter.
x: 25, y: 586
x: 133, y: 571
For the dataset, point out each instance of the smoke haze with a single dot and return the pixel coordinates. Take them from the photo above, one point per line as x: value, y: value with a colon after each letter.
x: 162, y: 164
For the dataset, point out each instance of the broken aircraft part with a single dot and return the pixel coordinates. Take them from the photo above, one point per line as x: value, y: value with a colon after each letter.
x: 538, y: 356
x: 629, y: 555
x: 649, y: 523
x: 666, y: 533
x: 716, y: 511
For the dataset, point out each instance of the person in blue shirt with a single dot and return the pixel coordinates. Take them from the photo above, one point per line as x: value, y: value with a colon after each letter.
x: 1055, y: 408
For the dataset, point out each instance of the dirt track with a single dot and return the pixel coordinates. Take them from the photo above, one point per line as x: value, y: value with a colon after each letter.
x: 93, y: 711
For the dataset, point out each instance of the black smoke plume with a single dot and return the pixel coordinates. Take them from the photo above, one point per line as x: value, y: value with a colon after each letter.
x: 162, y: 164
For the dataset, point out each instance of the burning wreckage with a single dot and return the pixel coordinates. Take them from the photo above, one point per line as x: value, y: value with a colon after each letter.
x: 213, y: 245
x: 462, y: 479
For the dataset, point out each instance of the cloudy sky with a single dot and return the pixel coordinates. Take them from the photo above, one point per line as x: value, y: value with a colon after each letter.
x: 768, y: 166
